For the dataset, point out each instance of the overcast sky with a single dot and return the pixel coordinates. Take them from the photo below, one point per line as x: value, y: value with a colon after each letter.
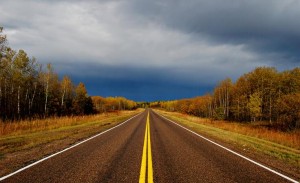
x: 155, y: 49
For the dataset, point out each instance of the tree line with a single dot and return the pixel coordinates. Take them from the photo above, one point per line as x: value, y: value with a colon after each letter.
x: 30, y: 90
x: 264, y: 94
x: 109, y: 104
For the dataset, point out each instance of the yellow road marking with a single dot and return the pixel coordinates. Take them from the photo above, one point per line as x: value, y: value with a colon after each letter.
x: 146, y: 151
x: 144, y: 156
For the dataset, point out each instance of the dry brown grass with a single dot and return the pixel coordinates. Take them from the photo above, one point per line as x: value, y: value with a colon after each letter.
x: 257, y: 129
x: 26, y: 126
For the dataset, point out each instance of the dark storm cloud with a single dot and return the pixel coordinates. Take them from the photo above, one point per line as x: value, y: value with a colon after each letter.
x: 147, y: 49
x: 138, y: 84
x: 267, y: 27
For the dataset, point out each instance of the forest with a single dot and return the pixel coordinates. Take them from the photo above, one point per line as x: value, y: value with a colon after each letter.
x: 29, y: 90
x: 264, y: 94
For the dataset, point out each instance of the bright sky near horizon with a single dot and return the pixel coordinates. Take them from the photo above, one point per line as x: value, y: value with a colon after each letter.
x: 155, y: 50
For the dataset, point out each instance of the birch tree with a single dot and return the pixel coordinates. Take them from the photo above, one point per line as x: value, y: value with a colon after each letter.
x: 67, y: 91
x: 2, y: 42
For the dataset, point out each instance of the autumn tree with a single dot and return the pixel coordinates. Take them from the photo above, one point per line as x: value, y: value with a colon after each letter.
x: 66, y: 95
x: 221, y: 99
x: 255, y: 106
x: 22, y: 71
x: 289, y: 112
x: 98, y: 103
x: 82, y: 103
x: 239, y: 108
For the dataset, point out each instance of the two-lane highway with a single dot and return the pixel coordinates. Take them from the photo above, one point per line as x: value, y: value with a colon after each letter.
x: 144, y: 148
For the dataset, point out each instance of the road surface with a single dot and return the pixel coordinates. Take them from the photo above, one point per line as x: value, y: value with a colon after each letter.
x: 170, y: 153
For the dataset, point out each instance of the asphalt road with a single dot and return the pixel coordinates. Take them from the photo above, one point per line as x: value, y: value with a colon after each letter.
x: 116, y: 156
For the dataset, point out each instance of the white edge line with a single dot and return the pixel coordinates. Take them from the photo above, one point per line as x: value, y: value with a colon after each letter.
x: 248, y: 159
x: 64, y: 150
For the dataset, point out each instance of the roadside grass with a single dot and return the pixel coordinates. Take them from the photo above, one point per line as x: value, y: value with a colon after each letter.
x: 26, y: 126
x: 247, y: 137
x: 18, y: 136
x: 24, y: 142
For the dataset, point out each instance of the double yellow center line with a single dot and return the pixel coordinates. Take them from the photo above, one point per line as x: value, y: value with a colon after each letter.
x: 146, y: 151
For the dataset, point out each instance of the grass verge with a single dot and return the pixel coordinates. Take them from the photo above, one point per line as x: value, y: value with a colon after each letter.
x: 248, y: 139
x: 25, y: 142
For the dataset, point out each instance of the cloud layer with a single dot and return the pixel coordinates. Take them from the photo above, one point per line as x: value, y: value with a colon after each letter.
x: 141, y: 49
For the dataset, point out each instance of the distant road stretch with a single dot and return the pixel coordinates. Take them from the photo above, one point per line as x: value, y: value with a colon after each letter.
x: 146, y: 148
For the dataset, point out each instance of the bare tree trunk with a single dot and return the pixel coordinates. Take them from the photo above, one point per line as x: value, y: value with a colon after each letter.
x: 11, y: 105
x: 210, y: 109
x: 270, y: 101
x: 270, y: 110
x: 63, y: 97
x: 227, y: 103
x: 26, y: 95
x: 5, y: 96
x: 19, y: 88
x: 224, y: 101
x: 46, y: 94
x: 31, y: 101
x: 238, y: 108
x: 220, y: 100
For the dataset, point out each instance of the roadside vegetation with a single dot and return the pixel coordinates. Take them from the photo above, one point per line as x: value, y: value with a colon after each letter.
x: 249, y: 138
